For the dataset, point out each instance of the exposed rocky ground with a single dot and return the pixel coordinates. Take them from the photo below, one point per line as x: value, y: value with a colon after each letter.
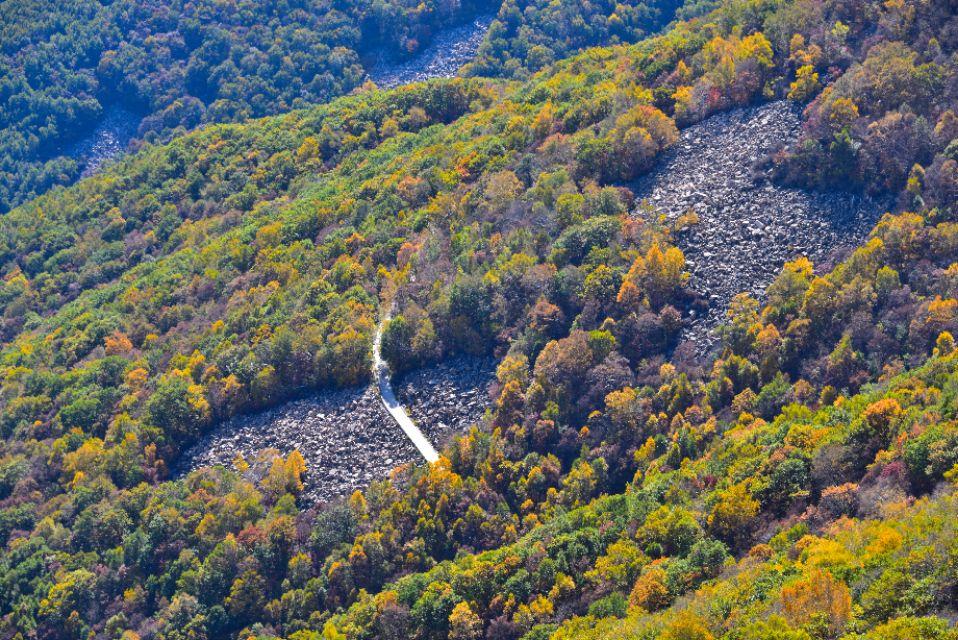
x: 447, y: 52
x: 448, y: 398
x: 106, y: 142
x: 347, y: 437
x: 748, y: 227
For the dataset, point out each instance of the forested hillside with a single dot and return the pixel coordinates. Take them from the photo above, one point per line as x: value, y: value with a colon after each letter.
x: 799, y: 483
x: 171, y: 66
x: 180, y: 64
x: 528, y: 35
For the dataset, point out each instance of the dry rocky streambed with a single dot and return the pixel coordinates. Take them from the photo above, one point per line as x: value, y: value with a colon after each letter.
x: 747, y: 229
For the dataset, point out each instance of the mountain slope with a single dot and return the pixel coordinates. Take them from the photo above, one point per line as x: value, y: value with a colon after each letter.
x: 243, y: 263
x: 160, y: 69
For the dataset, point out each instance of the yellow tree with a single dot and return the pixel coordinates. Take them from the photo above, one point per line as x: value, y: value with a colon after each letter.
x: 464, y: 624
x: 820, y: 597
x: 732, y: 515
x: 654, y: 278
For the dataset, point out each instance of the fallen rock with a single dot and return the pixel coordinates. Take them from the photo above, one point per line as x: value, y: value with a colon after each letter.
x: 347, y: 437
x: 449, y: 50
x: 748, y: 227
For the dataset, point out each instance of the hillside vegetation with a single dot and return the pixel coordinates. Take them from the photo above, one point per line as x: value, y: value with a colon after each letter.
x: 528, y: 35
x: 177, y: 65
x: 797, y: 485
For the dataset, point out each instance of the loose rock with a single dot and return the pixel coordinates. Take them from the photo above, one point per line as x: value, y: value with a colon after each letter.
x: 447, y: 398
x: 748, y: 227
x: 347, y: 438
x: 447, y: 52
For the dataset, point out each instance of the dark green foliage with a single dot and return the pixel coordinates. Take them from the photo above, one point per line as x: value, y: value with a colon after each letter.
x: 178, y: 65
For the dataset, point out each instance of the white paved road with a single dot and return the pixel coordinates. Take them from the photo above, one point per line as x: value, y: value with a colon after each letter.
x: 395, y: 409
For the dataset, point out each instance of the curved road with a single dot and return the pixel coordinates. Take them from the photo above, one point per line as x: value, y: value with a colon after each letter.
x: 395, y: 409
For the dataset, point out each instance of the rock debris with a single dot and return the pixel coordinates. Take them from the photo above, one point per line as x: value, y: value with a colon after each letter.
x: 346, y: 437
x: 448, y: 51
x: 748, y: 226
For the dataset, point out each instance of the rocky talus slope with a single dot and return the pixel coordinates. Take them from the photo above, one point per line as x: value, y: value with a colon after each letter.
x: 748, y: 227
x: 347, y: 437
x: 443, y: 58
x: 448, y: 398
